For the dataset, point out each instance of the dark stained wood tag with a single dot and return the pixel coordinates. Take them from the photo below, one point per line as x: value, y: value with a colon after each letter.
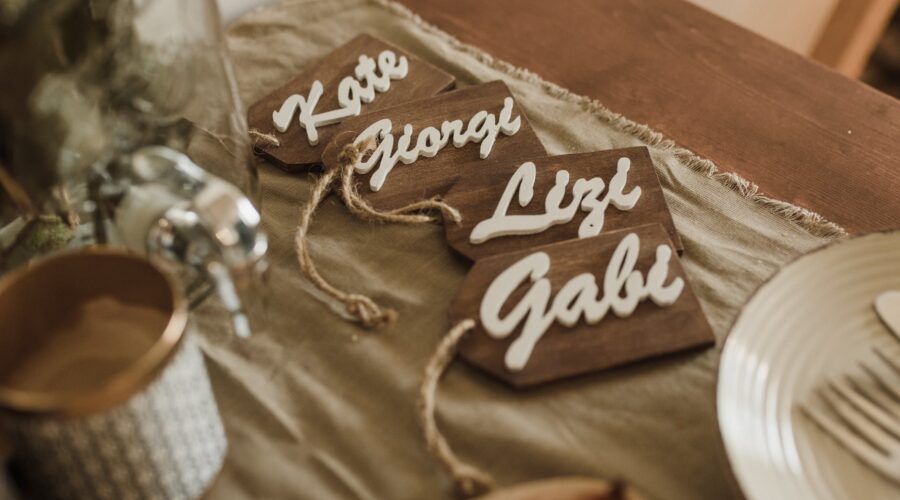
x: 423, y: 143
x: 569, y: 308
x: 509, y: 206
x: 386, y: 88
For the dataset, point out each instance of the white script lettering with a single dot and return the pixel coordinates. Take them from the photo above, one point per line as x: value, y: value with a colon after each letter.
x: 482, y: 128
x: 585, y: 195
x: 576, y: 299
x: 352, y: 93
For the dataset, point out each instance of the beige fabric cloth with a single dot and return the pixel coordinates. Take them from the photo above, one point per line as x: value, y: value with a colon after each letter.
x: 317, y: 407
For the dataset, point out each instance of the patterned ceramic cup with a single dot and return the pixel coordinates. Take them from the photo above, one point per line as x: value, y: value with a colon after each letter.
x: 103, y: 392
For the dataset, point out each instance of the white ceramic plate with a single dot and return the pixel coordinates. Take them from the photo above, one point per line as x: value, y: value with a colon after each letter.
x: 814, y: 320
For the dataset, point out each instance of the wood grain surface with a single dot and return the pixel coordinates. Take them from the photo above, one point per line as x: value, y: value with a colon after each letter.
x: 427, y: 177
x: 566, y: 351
x: 295, y: 152
x: 479, y: 188
x: 802, y: 132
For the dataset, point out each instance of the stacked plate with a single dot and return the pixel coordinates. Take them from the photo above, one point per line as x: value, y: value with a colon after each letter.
x: 813, y: 322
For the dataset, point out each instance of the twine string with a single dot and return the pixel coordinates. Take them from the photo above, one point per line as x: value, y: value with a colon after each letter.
x: 360, y: 307
x: 413, y: 213
x: 261, y: 137
x: 470, y: 480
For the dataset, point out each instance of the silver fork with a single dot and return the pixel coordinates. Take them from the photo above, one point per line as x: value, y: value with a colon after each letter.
x: 865, y: 414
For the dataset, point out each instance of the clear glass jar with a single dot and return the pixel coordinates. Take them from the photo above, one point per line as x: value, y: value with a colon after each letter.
x: 120, y: 124
x: 88, y: 82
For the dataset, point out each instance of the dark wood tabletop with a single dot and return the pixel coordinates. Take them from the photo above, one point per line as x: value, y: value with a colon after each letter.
x: 800, y: 131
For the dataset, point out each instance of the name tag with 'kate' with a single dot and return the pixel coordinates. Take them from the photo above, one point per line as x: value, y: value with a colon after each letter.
x: 365, y: 74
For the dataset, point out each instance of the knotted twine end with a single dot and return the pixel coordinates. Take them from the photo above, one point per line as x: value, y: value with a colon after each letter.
x: 351, y: 153
x: 470, y: 480
x: 261, y: 137
x: 369, y: 314
x: 362, y: 308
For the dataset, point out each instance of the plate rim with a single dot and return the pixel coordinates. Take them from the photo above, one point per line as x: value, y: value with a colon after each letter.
x: 743, y: 482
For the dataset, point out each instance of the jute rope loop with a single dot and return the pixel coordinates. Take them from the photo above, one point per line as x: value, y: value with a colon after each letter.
x: 409, y: 214
x: 470, y: 480
x: 362, y: 308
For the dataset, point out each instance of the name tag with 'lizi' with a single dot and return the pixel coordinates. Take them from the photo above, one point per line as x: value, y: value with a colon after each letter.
x: 508, y: 206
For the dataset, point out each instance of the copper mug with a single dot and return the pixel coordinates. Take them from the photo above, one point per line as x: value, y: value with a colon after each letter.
x: 103, y: 391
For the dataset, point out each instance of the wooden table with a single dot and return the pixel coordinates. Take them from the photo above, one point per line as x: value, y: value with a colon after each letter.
x: 800, y: 131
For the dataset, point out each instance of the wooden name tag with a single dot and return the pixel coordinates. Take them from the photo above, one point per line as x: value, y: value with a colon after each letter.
x: 508, y: 206
x: 363, y: 75
x: 422, y: 144
x: 578, y: 306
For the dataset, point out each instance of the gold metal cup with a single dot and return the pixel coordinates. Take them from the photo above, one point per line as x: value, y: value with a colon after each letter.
x: 102, y: 390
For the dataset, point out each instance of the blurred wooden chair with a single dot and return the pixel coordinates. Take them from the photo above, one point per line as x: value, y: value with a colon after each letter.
x: 838, y: 33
